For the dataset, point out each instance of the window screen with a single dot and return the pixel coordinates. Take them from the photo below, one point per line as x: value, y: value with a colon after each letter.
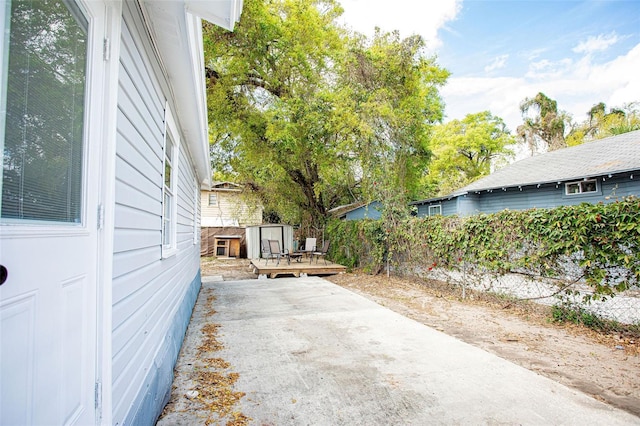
x: 44, y: 97
x: 169, y: 183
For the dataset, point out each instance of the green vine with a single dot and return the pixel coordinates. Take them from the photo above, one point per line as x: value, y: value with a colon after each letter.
x: 594, y: 243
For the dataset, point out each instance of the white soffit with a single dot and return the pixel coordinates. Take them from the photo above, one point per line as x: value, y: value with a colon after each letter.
x: 177, y: 33
x: 224, y: 13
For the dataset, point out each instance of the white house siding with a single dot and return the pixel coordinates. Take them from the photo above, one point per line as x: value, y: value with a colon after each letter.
x: 230, y: 210
x: 152, y: 296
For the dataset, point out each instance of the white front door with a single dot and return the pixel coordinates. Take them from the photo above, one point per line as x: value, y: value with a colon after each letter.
x: 48, y: 212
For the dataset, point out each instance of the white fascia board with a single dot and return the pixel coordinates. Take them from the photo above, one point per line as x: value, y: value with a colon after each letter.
x: 203, y: 160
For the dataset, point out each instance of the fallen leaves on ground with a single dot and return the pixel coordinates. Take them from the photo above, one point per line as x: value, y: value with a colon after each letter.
x: 212, y: 381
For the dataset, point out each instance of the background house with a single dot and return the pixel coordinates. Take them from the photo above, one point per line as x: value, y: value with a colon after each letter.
x: 223, y: 205
x: 225, y: 216
x: 358, y: 211
x: 105, y: 150
x: 599, y: 171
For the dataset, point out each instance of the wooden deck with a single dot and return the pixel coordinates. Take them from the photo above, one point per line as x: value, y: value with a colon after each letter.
x: 295, y: 268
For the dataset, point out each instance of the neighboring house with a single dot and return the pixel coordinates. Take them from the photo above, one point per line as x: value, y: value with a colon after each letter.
x: 225, y: 215
x: 599, y: 171
x: 358, y: 211
x: 105, y: 148
x: 223, y: 205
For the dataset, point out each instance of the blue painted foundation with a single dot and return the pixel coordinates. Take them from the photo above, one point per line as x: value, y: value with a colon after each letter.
x: 148, y: 406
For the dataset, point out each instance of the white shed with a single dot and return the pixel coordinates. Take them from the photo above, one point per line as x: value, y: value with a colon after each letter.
x: 282, y: 233
x: 104, y: 142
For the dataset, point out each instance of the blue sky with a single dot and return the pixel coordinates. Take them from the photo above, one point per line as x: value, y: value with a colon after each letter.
x: 578, y: 52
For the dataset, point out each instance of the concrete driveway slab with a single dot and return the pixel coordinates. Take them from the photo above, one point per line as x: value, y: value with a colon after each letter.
x: 309, y: 352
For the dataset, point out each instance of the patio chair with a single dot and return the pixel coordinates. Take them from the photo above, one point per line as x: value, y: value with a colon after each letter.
x: 265, y: 250
x: 270, y: 250
x: 309, y: 247
x: 322, y: 253
x: 276, y: 253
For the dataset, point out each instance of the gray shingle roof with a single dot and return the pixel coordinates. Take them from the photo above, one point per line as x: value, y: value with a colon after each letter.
x: 610, y: 155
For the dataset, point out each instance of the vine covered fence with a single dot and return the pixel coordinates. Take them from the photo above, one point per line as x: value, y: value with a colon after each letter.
x: 573, y: 255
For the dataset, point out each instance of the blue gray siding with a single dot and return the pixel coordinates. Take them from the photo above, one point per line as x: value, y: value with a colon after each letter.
x: 152, y: 296
x: 369, y: 211
x: 543, y: 196
x: 553, y: 195
x: 449, y: 207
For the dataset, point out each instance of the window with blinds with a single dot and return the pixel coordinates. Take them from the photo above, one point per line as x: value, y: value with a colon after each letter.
x: 43, y: 93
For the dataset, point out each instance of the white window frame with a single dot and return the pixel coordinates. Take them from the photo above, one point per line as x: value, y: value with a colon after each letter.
x: 432, y: 210
x: 37, y: 227
x: 196, y: 204
x: 217, y: 200
x: 169, y: 225
x: 581, y: 185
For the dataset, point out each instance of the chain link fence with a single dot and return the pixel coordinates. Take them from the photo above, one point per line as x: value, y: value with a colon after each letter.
x: 623, y: 308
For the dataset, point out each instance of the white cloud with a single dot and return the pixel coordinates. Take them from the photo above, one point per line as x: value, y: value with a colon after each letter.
x: 545, y: 69
x: 598, y: 43
x: 407, y: 16
x: 533, y: 54
x: 497, y: 63
x: 501, y: 96
x: 576, y: 86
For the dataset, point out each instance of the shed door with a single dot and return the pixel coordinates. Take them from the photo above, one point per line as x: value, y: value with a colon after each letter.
x: 48, y: 225
x: 273, y: 233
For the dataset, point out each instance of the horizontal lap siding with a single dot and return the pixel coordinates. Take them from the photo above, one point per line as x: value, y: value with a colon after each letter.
x: 147, y: 289
x: 449, y: 207
x: 187, y: 203
x: 370, y: 211
x: 622, y: 186
x: 553, y: 195
x: 221, y: 210
x: 546, y: 196
x: 230, y: 206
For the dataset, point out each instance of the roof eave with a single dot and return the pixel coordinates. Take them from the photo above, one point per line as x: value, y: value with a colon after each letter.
x: 553, y: 181
x: 176, y: 27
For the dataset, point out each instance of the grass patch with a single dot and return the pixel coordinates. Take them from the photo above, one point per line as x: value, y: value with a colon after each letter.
x: 570, y: 313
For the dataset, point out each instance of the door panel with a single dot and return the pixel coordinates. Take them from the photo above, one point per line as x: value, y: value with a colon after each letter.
x: 48, y: 213
x: 47, y: 334
x: 17, y: 350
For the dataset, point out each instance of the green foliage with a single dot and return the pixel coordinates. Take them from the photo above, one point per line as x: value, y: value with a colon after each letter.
x: 578, y: 315
x: 393, y: 88
x: 602, y: 124
x: 463, y: 151
x: 574, y: 314
x: 273, y: 121
x: 597, y: 243
x: 358, y: 244
x: 544, y: 125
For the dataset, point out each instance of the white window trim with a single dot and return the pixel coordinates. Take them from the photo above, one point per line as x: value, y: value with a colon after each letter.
x: 439, y: 208
x: 171, y: 130
x: 217, y: 203
x: 196, y: 203
x: 580, y: 183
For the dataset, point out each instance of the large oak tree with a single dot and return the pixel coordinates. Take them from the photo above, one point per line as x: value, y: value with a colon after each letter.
x: 309, y: 116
